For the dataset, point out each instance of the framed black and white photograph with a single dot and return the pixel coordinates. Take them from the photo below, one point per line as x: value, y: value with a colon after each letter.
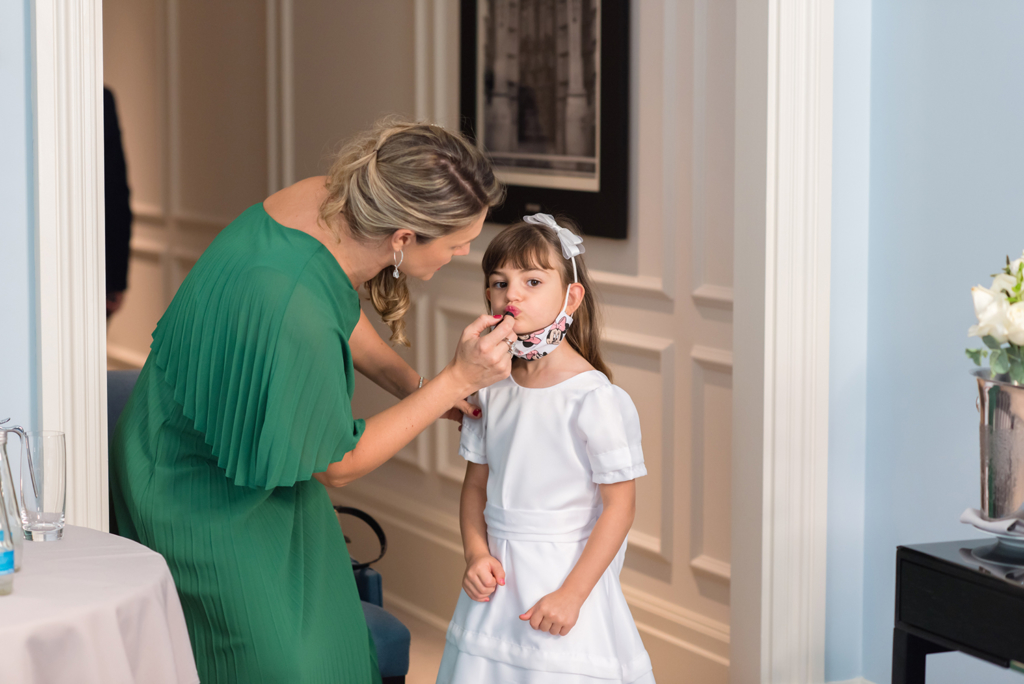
x: 545, y: 92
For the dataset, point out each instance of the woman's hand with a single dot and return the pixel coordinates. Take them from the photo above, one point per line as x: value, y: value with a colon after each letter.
x: 555, y: 613
x: 483, y: 359
x: 483, y: 575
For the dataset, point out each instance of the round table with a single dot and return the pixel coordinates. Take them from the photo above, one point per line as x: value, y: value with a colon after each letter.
x: 93, y: 608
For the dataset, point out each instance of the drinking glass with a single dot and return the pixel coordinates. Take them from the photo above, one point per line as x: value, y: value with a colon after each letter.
x: 43, y: 497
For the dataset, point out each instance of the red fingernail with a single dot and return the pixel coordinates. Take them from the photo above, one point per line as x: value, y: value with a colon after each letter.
x: 476, y: 413
x: 501, y: 582
x: 497, y: 315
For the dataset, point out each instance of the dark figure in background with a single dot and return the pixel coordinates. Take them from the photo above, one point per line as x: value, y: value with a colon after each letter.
x: 118, y: 210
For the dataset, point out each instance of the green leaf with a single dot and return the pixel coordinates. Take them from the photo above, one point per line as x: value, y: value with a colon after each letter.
x: 974, y: 355
x: 999, y: 362
x: 1017, y: 372
x: 991, y: 342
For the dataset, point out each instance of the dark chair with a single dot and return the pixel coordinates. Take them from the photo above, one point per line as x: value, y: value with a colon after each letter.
x: 390, y: 636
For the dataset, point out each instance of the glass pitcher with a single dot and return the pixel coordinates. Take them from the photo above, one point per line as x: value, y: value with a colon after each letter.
x: 9, y: 494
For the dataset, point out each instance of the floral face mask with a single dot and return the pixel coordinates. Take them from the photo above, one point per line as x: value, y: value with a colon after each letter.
x: 537, y: 344
x: 534, y: 345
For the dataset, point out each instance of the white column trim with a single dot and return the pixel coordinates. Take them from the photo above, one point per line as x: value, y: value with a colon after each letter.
x: 68, y: 53
x: 780, y: 567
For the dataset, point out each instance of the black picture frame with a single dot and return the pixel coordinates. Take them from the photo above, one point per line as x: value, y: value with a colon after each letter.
x: 603, y: 212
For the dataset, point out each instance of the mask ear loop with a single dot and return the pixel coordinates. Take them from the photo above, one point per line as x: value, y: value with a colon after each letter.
x: 575, y: 279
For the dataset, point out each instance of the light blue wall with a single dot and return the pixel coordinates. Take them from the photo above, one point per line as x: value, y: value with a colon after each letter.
x: 849, y: 340
x: 946, y: 198
x: 18, y: 364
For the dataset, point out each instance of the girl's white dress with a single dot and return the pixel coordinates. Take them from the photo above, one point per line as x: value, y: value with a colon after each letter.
x: 547, y: 450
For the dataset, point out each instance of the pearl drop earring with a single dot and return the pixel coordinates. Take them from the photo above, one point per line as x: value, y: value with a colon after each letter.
x: 398, y: 262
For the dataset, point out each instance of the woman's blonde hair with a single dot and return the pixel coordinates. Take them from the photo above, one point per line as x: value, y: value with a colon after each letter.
x: 527, y: 245
x: 408, y: 175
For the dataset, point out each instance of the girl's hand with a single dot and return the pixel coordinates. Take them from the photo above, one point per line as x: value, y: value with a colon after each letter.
x: 483, y: 575
x: 462, y: 408
x: 555, y: 613
x: 483, y: 359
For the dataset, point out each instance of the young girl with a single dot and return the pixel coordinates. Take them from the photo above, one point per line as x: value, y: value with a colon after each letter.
x: 549, y: 493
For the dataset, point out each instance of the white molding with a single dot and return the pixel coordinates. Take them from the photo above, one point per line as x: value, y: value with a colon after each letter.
x: 712, y: 566
x: 422, y: 63
x: 148, y: 213
x: 784, y: 125
x: 719, y: 360
x: 151, y: 246
x: 287, y: 94
x: 126, y: 356
x: 280, y: 95
x: 718, y: 296
x: 68, y: 47
x: 205, y: 220
x: 710, y: 357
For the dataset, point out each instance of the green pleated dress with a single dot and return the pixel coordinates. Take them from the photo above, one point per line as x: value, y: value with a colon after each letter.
x: 246, y: 393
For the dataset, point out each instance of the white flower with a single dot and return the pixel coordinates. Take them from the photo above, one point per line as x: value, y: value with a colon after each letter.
x: 990, y: 307
x: 1015, y: 266
x: 1003, y: 282
x: 1015, y: 323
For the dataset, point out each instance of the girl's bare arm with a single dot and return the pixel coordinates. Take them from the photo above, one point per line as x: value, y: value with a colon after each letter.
x: 605, y: 540
x: 484, y: 573
x: 471, y: 512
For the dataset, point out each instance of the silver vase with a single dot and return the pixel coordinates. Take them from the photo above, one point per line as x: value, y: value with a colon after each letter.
x: 1001, y: 404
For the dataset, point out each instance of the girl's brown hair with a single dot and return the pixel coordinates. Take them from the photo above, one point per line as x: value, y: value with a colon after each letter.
x: 526, y: 245
x: 408, y: 175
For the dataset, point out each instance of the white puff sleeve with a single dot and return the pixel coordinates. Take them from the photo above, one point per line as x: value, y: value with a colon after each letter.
x: 471, y: 446
x: 610, y: 426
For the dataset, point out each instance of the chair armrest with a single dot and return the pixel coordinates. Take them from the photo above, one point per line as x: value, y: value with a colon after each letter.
x: 370, y: 585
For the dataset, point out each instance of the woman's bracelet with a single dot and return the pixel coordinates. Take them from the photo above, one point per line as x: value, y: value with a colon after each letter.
x: 420, y: 386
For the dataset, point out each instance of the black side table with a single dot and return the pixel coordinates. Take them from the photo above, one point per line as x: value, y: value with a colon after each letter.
x: 963, y: 596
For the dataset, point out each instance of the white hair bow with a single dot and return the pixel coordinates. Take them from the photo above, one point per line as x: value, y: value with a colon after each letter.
x: 572, y: 244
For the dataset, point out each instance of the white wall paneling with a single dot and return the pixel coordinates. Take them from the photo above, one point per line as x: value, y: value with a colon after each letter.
x: 450, y: 318
x: 418, y: 452
x: 69, y: 191
x: 711, y: 457
x: 660, y: 462
x: 657, y: 310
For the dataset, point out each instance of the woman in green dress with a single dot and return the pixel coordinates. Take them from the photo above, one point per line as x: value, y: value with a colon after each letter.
x: 242, y: 412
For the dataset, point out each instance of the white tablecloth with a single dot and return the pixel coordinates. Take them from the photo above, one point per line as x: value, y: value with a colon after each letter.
x: 93, y: 608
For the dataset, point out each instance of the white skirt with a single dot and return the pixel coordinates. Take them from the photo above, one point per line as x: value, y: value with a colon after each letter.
x: 463, y: 667
x: 487, y: 642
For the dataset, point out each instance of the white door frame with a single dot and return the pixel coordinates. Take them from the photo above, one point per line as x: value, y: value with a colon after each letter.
x: 781, y: 339
x: 782, y: 231
x: 68, y: 66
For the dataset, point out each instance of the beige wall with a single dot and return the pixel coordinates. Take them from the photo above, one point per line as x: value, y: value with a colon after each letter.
x: 290, y: 86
